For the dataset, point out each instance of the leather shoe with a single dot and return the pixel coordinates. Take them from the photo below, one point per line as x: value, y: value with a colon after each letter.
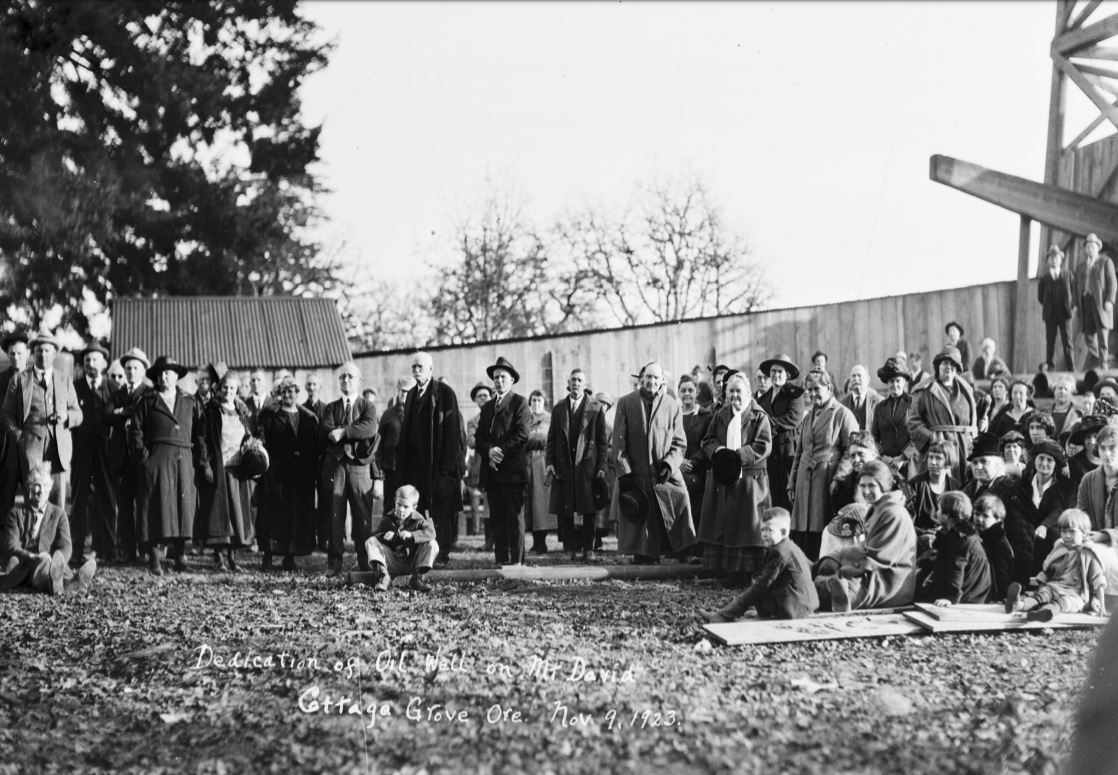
x: 418, y: 584
x: 714, y: 617
x: 289, y: 563
x: 221, y: 564
x: 155, y: 563
x: 589, y: 556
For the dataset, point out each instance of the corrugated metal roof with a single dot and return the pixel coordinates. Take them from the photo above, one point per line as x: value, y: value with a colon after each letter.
x: 243, y: 331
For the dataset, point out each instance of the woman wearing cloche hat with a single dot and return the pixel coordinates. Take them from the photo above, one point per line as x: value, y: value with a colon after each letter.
x: 945, y: 410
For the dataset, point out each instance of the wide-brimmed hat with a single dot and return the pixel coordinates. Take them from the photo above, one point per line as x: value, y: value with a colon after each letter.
x: 986, y: 445
x: 43, y: 336
x: 634, y: 505
x: 135, y: 354
x: 725, y: 466
x: 1092, y: 237
x: 1088, y: 426
x: 502, y: 363
x: 12, y: 338
x: 947, y: 328
x: 601, y: 492
x: 166, y: 363
x: 891, y: 371
x: 781, y: 359
x: 94, y: 347
x: 948, y: 354
x: 1052, y: 449
x: 480, y: 386
x: 1108, y: 382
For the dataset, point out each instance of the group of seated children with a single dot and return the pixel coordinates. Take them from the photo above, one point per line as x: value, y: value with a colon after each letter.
x: 969, y: 560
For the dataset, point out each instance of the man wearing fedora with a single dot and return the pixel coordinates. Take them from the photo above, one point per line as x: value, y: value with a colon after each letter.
x: 15, y: 345
x: 1095, y: 291
x: 944, y: 409
x: 94, y: 490
x: 576, y: 454
x: 889, y: 425
x: 502, y: 436
x: 648, y: 446
x: 40, y: 408
x: 134, y: 363
x: 784, y: 404
x: 431, y: 454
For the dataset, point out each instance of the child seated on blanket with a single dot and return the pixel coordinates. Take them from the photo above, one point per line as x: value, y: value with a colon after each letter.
x: 1073, y: 578
x: 783, y: 589
x: 989, y: 517
x: 404, y: 544
x: 955, y: 569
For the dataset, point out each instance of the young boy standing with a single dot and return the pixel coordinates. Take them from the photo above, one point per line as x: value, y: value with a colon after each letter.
x: 1072, y: 580
x: 404, y: 544
x: 783, y: 589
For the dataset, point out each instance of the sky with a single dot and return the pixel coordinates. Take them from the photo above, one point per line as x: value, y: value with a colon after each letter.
x: 812, y: 125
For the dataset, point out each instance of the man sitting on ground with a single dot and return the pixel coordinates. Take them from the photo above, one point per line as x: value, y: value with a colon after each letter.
x: 35, y: 543
x: 404, y: 544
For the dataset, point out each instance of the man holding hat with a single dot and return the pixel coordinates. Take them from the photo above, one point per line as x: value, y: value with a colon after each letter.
x: 15, y: 345
x: 1095, y: 290
x: 502, y: 435
x: 944, y: 410
x: 40, y: 408
x: 784, y: 404
x: 94, y: 489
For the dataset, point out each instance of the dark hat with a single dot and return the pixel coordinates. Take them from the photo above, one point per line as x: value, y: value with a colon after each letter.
x: 725, y: 466
x: 947, y: 328
x: 166, y: 363
x: 1052, y: 449
x: 12, y: 338
x: 891, y: 371
x: 217, y: 371
x: 780, y: 359
x: 1010, y: 437
x: 1090, y: 379
x: 1088, y: 426
x: 601, y: 492
x: 502, y: 363
x: 94, y: 347
x: 1108, y: 382
x: 948, y: 354
x: 43, y: 336
x: 254, y: 461
x: 480, y: 386
x: 1041, y: 388
x: 634, y: 505
x: 135, y: 354
x: 986, y: 445
x: 721, y: 367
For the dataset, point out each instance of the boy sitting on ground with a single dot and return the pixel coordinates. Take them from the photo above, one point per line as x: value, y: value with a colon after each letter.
x: 35, y: 543
x: 404, y: 544
x: 989, y: 518
x: 1073, y: 578
x: 955, y: 569
x: 783, y: 589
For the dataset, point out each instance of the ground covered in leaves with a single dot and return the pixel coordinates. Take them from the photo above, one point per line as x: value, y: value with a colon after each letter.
x: 294, y: 673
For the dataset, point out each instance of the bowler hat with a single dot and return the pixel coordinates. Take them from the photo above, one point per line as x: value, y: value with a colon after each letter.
x: 1088, y: 426
x: 135, y: 354
x: 947, y: 328
x: 95, y: 347
x: 782, y: 360
x: 480, y: 386
x: 43, y: 336
x: 634, y: 505
x: 891, y: 371
x: 948, y: 354
x: 502, y: 363
x: 601, y: 492
x: 12, y: 338
x: 1108, y: 382
x: 986, y: 445
x: 725, y: 466
x: 1052, y: 449
x: 166, y: 363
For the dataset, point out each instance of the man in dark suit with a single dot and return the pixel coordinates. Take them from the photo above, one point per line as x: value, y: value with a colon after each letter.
x: 861, y: 399
x: 349, y: 430
x: 135, y: 365
x: 258, y: 396
x: 1053, y: 291
x: 388, y: 434
x: 502, y: 434
x: 1096, y: 287
x: 576, y: 455
x: 322, y: 491
x: 94, y: 489
x: 35, y: 541
x: 15, y: 345
x: 431, y: 453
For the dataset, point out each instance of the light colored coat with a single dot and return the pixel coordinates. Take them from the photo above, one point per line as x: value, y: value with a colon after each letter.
x: 931, y: 418
x: 821, y: 442
x: 33, y: 441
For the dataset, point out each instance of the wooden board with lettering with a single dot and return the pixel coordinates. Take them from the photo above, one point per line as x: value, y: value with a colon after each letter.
x: 853, y: 625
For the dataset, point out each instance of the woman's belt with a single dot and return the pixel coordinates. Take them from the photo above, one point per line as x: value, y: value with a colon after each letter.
x: 951, y: 428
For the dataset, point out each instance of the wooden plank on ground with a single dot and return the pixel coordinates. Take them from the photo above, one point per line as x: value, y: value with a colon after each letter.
x: 1006, y: 623
x: 994, y: 612
x: 853, y: 625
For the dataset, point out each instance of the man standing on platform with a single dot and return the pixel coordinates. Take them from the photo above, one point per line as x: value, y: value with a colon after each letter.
x: 1053, y: 291
x: 1096, y: 289
x: 41, y: 408
x: 94, y: 489
x: 15, y: 345
x: 576, y: 455
x: 431, y: 452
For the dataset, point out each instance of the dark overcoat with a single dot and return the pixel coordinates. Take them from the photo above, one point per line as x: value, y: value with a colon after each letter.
x: 507, y: 428
x: 285, y: 520
x: 437, y: 477
x: 572, y: 491
x: 219, y: 520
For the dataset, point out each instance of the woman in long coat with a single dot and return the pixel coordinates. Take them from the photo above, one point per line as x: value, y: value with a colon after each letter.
x: 285, y: 521
x: 730, y: 527
x: 822, y: 440
x: 165, y: 440
x: 944, y: 410
x: 537, y: 499
x: 696, y: 422
x: 225, y: 513
x: 784, y: 403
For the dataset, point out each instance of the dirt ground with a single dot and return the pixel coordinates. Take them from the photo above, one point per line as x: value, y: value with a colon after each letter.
x: 296, y: 673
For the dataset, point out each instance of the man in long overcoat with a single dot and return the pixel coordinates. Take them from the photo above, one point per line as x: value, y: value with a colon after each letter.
x: 1096, y: 289
x: 431, y: 453
x: 648, y: 446
x: 576, y: 454
x: 94, y: 506
x: 944, y: 410
x: 15, y: 345
x: 1054, y: 293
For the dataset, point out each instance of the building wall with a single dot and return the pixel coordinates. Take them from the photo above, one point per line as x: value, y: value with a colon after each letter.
x: 865, y: 331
